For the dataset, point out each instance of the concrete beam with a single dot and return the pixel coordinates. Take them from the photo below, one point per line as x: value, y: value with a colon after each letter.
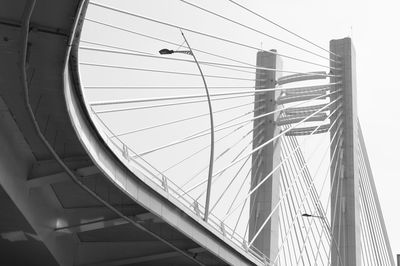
x: 149, y: 258
x: 41, y: 210
x: 90, y: 226
x: 99, y: 223
x: 35, y: 27
x: 97, y: 207
x: 47, y: 167
x: 49, y: 172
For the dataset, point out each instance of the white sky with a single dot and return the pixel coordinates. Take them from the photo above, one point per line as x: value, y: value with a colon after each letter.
x: 373, y: 26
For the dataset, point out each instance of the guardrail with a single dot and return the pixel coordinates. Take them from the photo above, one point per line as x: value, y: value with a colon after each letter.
x: 131, y: 159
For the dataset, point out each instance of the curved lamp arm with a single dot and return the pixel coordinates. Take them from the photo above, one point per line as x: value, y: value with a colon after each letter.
x: 210, y: 167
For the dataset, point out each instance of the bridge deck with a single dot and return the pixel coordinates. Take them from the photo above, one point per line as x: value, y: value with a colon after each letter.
x: 74, y: 227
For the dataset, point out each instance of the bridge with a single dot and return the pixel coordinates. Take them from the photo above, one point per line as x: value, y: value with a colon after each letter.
x: 132, y: 138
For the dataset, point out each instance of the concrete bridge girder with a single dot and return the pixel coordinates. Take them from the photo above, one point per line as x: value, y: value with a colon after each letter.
x: 70, y: 225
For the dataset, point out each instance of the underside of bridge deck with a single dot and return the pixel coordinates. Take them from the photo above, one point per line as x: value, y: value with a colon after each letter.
x: 48, y: 219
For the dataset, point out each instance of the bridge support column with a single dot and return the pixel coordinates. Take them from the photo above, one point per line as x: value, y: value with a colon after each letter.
x: 265, y: 160
x: 345, y: 209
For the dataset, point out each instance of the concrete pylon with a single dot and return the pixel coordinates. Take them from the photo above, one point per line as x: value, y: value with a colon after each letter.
x: 345, y: 208
x: 265, y: 160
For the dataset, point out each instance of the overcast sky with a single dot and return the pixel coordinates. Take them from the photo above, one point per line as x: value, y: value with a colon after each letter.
x: 373, y: 26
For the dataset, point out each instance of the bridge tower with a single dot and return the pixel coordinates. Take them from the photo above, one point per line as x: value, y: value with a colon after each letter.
x: 345, y: 207
x: 265, y: 160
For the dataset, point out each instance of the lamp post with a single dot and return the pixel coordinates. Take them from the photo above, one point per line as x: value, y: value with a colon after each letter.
x: 210, y: 168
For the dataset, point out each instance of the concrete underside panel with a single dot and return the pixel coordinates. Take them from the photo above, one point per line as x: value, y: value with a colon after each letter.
x: 72, y: 227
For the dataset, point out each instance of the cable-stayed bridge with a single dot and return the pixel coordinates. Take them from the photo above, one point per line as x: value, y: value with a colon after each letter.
x: 132, y: 135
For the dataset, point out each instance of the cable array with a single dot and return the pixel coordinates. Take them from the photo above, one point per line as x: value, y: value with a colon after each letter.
x: 375, y: 244
x: 145, y: 94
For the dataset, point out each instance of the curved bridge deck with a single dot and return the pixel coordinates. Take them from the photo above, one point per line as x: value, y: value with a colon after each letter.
x: 51, y: 219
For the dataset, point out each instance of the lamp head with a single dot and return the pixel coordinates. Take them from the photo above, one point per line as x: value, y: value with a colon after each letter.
x: 166, y: 51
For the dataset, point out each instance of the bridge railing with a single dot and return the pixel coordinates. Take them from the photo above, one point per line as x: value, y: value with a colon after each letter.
x: 135, y: 162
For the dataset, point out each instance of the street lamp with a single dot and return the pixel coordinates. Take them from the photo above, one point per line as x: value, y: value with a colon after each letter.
x: 310, y: 215
x: 210, y: 168
x: 168, y: 51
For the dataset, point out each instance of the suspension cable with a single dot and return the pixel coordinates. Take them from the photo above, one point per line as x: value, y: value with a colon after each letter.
x: 100, y: 87
x: 204, y: 181
x: 216, y: 64
x: 277, y: 205
x: 281, y: 27
x: 293, y: 144
x: 371, y: 210
x: 205, y: 147
x: 164, y: 71
x: 110, y: 46
x: 334, y: 159
x: 182, y: 28
x: 149, y: 55
x: 183, y: 119
x: 169, y: 104
x: 284, y: 131
x: 278, y: 166
x: 327, y: 172
x: 205, y: 132
x: 285, y: 187
x: 193, y: 96
x: 257, y: 31
x: 293, y: 170
x: 222, y: 153
x: 232, y: 163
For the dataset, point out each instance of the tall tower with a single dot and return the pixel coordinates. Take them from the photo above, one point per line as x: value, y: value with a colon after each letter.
x: 345, y: 208
x: 265, y: 160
